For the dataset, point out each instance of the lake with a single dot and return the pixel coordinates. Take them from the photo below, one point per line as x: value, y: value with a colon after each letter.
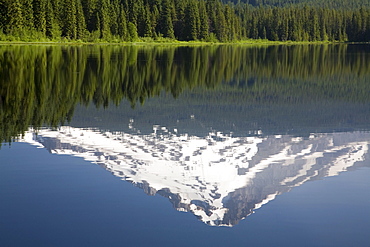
x: 231, y: 145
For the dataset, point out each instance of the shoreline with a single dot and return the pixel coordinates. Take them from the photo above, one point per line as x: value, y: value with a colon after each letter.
x: 177, y: 43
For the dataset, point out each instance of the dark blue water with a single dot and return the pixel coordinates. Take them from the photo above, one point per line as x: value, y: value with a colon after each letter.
x: 268, y: 152
x: 51, y: 200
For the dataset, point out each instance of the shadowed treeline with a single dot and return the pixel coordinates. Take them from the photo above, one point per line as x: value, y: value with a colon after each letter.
x: 41, y: 85
x: 206, y: 20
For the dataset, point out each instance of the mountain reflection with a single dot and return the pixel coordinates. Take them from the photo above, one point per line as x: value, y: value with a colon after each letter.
x: 220, y: 178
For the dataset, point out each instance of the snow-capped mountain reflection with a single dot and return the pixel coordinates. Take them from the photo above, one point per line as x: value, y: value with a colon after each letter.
x: 219, y: 178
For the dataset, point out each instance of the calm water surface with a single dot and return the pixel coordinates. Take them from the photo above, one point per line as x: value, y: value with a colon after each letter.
x: 185, y: 146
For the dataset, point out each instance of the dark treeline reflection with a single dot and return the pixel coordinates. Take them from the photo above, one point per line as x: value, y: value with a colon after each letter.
x: 41, y: 85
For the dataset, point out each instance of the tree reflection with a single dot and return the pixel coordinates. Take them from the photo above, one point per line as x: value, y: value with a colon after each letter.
x: 41, y: 85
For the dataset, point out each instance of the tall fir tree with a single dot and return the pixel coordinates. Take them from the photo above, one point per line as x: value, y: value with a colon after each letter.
x: 39, y: 12
x: 113, y: 17
x: 166, y: 24
x: 211, y: 10
x: 90, y: 8
x: 179, y: 23
x: 28, y: 14
x: 104, y: 19
x: 70, y: 27
x: 204, y: 22
x: 192, y: 21
x: 230, y: 27
x: 51, y: 30
x: 3, y: 15
x: 132, y: 32
x: 15, y: 20
x: 144, y: 24
x: 80, y: 21
x: 122, y: 24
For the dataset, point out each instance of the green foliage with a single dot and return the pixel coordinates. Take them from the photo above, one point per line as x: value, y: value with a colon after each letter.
x: 192, y: 20
x: 276, y: 20
x: 51, y: 28
x: 103, y: 17
x: 39, y: 14
x: 122, y: 24
x: 132, y: 32
x: 165, y: 26
x: 15, y: 22
x: 70, y: 20
x: 28, y: 13
x: 343, y: 4
x: 203, y: 18
x: 80, y: 21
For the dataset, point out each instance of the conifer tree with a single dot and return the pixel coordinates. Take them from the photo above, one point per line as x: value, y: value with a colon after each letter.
x: 122, y: 24
x: 80, y: 21
x: 90, y: 13
x: 3, y: 15
x: 14, y: 17
x: 166, y: 25
x: 132, y: 11
x: 39, y: 12
x: 284, y: 29
x: 203, y: 16
x: 50, y: 27
x: 230, y: 27
x: 132, y: 32
x: 221, y: 24
x: 179, y: 22
x: 144, y: 24
x: 58, y: 13
x: 211, y: 10
x: 314, y: 29
x: 192, y: 21
x: 154, y: 9
x: 104, y: 19
x: 28, y: 14
x: 254, y: 29
x: 147, y: 23
x: 113, y: 17
x: 70, y: 21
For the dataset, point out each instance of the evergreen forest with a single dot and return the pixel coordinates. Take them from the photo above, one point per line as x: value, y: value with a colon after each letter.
x: 185, y: 20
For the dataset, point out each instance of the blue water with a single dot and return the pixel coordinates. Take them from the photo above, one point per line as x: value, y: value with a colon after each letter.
x: 261, y: 146
x: 58, y: 200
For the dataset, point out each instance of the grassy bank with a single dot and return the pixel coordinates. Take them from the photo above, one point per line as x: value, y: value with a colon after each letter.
x: 150, y: 41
